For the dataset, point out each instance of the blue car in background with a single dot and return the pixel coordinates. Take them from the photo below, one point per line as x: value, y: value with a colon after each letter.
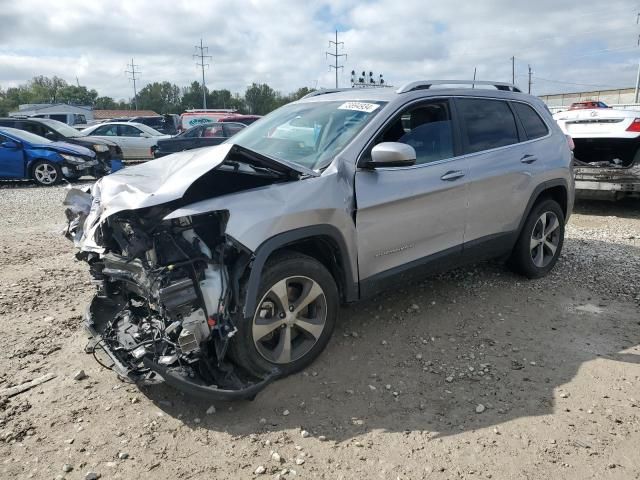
x: 24, y: 155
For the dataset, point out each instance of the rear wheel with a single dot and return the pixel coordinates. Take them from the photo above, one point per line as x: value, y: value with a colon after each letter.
x: 540, y: 241
x: 46, y: 173
x: 295, y: 316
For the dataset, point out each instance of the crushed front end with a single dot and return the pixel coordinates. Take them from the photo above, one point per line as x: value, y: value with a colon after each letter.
x: 167, y: 293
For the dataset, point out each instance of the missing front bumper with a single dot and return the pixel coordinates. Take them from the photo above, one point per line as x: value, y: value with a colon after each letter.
x: 102, y: 310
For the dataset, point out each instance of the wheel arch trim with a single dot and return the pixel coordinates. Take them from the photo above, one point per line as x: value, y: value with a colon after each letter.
x: 277, y: 242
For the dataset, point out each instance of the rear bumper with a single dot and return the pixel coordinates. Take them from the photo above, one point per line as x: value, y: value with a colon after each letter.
x: 101, y: 311
x: 608, y: 186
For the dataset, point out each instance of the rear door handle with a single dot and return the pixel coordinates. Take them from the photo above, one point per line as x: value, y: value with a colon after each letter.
x: 452, y: 175
x: 528, y: 159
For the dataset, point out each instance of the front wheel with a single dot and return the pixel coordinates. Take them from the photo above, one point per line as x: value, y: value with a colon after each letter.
x: 540, y: 241
x: 294, y: 319
x: 46, y: 173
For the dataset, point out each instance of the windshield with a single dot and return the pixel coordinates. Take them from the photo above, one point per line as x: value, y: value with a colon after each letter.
x: 62, y: 128
x: 309, y: 134
x: 26, y: 136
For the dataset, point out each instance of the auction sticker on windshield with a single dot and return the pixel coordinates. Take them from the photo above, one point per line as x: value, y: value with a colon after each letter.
x: 359, y: 106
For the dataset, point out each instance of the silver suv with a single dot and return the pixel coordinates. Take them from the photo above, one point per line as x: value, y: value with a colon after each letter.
x: 221, y: 269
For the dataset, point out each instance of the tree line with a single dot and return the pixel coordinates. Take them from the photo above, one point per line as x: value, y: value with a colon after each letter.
x: 162, y: 97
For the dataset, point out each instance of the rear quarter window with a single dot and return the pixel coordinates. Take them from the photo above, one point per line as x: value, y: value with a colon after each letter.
x: 487, y: 124
x: 533, y: 125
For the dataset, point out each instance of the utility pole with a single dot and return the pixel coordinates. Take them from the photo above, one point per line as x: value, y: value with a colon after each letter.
x: 530, y: 73
x: 133, y: 72
x: 336, y: 56
x: 513, y: 70
x: 473, y: 85
x: 201, y: 56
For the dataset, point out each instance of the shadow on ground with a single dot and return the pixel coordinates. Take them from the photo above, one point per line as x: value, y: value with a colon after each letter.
x: 480, y: 335
x: 624, y: 208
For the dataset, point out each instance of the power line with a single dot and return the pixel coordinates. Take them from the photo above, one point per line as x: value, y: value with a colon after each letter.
x: 133, y: 72
x: 336, y: 56
x: 570, y: 83
x: 201, y: 55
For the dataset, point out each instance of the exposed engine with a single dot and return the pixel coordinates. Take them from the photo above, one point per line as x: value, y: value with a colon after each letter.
x: 165, y: 296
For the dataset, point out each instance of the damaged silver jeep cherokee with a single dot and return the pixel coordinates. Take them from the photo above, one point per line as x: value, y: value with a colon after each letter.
x: 219, y: 269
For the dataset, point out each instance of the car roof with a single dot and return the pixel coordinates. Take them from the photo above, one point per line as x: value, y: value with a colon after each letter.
x: 135, y: 124
x: 419, y: 89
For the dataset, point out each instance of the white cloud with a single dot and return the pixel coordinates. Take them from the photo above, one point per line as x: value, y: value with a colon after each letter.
x: 283, y: 42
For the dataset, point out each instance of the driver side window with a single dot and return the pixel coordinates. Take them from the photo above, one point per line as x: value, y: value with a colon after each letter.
x: 427, y: 127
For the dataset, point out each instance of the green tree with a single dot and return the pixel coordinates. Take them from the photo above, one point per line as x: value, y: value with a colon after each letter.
x: 162, y: 97
x: 192, y: 96
x: 261, y: 99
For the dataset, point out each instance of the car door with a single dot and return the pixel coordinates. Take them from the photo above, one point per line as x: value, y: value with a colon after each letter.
x: 12, y: 164
x: 138, y: 145
x: 412, y: 216
x: 500, y: 168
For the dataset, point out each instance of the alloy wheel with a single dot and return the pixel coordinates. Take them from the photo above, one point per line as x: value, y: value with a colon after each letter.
x: 290, y: 319
x: 45, y: 174
x: 545, y: 239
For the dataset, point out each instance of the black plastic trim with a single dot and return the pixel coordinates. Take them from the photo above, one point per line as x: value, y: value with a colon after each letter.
x: 558, y: 182
x: 206, y: 392
x: 286, y: 238
x: 429, y: 265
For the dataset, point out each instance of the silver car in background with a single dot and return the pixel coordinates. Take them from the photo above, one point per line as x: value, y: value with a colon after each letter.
x: 220, y: 269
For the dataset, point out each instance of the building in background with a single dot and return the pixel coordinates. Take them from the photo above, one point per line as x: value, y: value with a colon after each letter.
x: 617, y: 98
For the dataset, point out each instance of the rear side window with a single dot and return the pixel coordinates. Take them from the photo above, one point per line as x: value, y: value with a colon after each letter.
x: 488, y: 124
x: 533, y: 125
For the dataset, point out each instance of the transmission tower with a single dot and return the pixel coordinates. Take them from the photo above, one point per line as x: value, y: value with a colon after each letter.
x: 133, y: 72
x: 200, y: 55
x: 336, y: 56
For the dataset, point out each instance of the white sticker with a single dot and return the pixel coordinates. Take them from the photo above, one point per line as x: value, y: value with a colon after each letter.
x: 359, y: 106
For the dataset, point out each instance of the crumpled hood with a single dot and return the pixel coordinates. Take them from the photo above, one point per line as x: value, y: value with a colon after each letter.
x: 157, y: 181
x: 65, y: 147
x: 163, y: 180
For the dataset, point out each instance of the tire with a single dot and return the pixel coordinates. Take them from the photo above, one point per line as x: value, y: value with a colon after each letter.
x: 259, y: 344
x: 46, y: 173
x: 534, y: 255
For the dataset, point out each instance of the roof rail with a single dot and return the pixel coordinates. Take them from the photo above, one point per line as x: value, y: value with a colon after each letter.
x: 324, y: 91
x: 426, y: 84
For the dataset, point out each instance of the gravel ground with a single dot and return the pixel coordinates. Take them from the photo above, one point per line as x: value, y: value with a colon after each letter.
x: 474, y: 374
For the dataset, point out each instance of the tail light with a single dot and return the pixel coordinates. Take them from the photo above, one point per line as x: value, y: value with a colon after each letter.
x: 571, y: 143
x: 635, y: 125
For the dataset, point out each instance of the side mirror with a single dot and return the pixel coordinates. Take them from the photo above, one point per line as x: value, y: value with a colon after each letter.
x: 392, y: 154
x: 50, y: 136
x: 10, y: 144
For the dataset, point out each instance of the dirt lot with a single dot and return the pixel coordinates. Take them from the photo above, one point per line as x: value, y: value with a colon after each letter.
x: 474, y: 374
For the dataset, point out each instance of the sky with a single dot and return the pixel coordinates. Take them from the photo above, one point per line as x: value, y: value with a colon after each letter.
x: 573, y: 45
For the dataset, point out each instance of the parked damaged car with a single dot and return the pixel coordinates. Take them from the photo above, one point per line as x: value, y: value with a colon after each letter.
x: 607, y: 151
x: 220, y: 269
x: 108, y: 154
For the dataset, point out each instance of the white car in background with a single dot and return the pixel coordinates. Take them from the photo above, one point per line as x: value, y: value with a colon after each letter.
x: 607, y: 150
x: 135, y: 139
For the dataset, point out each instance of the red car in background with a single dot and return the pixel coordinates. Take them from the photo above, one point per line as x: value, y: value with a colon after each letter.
x: 588, y: 105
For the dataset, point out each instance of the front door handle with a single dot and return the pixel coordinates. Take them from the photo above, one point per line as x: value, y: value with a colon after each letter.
x: 528, y: 159
x: 452, y: 175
